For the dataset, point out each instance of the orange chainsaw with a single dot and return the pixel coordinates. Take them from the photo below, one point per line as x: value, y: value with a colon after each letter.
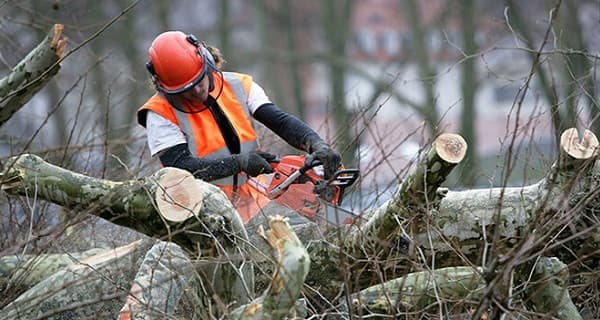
x: 298, y: 182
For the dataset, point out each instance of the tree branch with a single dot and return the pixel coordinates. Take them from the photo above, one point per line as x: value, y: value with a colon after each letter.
x: 31, y: 74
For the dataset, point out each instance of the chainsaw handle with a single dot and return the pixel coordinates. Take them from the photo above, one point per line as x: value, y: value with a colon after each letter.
x: 310, y: 162
x: 274, y: 163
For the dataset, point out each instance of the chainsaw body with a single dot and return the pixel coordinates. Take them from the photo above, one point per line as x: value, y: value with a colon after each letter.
x: 298, y: 182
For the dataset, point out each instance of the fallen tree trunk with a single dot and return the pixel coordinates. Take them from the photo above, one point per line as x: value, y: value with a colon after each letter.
x: 465, y: 220
x: 18, y: 273
x: 439, y: 234
x: 460, y: 219
x: 459, y: 289
x: 92, y: 287
x: 167, y: 283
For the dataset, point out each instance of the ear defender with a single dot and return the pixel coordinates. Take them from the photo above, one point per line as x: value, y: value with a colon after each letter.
x: 150, y: 69
x: 202, y: 51
x: 153, y: 75
x: 208, y: 57
x: 209, y: 60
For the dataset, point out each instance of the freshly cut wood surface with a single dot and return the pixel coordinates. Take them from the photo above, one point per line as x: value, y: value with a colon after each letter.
x: 178, y: 195
x: 583, y: 148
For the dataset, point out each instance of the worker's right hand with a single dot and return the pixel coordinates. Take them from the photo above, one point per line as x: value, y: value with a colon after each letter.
x: 255, y: 163
x: 330, y: 158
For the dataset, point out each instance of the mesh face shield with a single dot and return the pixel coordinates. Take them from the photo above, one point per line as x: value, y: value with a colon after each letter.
x: 184, y: 105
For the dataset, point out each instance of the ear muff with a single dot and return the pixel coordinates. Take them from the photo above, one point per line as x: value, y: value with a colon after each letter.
x: 150, y: 69
x: 209, y: 60
x: 208, y: 57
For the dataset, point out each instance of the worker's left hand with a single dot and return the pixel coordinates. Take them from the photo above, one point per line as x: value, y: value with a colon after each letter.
x: 330, y: 158
x: 255, y: 163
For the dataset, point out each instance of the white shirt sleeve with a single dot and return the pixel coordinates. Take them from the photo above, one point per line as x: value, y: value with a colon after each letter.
x: 162, y: 133
x: 257, y: 97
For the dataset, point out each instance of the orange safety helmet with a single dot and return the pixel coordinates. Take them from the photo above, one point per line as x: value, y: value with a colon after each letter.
x: 178, y: 61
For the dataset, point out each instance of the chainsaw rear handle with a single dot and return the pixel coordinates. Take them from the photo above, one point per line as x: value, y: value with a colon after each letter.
x: 342, y: 177
x: 310, y: 162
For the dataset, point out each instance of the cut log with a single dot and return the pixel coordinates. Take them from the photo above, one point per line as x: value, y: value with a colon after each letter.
x: 177, y: 196
x: 91, y: 288
x: 416, y: 195
x: 130, y: 203
x: 585, y: 147
x: 419, y: 291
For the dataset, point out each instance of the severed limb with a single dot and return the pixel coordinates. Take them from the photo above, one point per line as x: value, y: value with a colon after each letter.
x: 32, y: 73
x: 21, y: 272
x: 385, y: 239
x: 548, y: 291
x: 416, y: 194
x: 291, y: 267
x: 169, y: 205
x: 466, y: 220
x: 94, y: 287
x: 419, y: 291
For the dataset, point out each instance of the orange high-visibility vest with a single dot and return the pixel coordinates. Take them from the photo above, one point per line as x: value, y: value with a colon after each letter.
x: 205, y: 140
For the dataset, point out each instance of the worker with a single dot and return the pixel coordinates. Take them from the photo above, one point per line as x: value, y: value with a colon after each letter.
x: 200, y: 120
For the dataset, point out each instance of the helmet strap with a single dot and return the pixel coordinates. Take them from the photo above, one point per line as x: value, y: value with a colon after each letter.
x: 211, y: 81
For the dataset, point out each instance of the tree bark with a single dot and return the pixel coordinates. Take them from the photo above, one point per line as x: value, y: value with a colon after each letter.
x: 292, y: 263
x: 32, y: 73
x: 91, y: 287
x: 417, y: 193
x: 548, y: 290
x: 18, y: 273
x: 462, y: 219
x: 450, y: 228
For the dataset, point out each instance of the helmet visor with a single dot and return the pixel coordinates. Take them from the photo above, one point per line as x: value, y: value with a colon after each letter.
x: 185, y: 105
x: 185, y: 87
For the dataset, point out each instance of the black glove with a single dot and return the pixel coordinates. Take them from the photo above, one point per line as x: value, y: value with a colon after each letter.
x: 255, y: 163
x: 330, y: 158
